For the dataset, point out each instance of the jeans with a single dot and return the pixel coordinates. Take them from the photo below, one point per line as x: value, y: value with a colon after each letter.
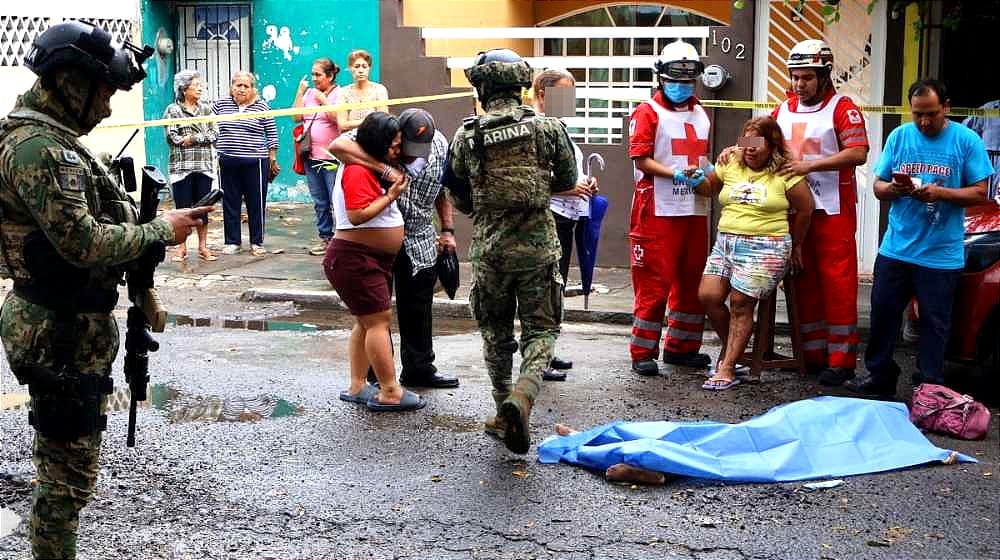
x: 321, y: 188
x: 414, y: 297
x: 895, y: 283
x: 243, y: 179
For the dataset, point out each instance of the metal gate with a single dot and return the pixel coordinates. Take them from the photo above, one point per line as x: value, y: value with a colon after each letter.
x: 858, y: 43
x: 215, y: 40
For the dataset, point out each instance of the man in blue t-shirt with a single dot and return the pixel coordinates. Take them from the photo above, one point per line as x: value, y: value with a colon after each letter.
x: 930, y: 170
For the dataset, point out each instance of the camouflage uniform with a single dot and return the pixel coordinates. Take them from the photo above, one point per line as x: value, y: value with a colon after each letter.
x: 512, y: 160
x: 53, y: 189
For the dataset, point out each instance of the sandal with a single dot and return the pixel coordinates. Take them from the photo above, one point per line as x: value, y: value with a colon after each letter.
x: 720, y: 384
x: 179, y: 257
x: 257, y: 251
x: 207, y: 256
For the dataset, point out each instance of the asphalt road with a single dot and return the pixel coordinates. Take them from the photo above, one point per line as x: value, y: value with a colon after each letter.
x: 326, y: 479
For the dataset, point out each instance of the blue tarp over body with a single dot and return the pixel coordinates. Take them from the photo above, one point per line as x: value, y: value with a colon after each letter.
x: 823, y: 437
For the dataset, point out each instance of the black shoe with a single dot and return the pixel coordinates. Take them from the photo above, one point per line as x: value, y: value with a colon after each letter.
x: 872, y: 386
x: 833, y: 377
x: 690, y: 359
x: 647, y: 368
x: 553, y: 375
x: 557, y: 363
x: 433, y: 381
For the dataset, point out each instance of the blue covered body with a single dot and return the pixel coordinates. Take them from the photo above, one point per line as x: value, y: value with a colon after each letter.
x: 822, y: 437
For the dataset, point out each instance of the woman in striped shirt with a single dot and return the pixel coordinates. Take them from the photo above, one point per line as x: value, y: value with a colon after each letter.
x: 248, y: 150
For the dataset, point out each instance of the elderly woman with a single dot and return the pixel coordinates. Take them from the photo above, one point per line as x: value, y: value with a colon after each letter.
x: 755, y: 245
x: 568, y: 206
x: 322, y: 129
x: 192, y: 157
x: 359, y: 62
x: 248, y: 151
x: 359, y: 262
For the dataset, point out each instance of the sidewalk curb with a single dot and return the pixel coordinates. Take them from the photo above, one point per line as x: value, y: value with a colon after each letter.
x: 457, y: 308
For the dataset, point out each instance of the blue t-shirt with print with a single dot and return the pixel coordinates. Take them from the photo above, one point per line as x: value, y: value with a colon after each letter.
x: 930, y: 236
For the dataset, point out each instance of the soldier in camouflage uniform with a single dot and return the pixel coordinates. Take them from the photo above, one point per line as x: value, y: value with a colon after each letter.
x: 504, y: 167
x: 65, y: 229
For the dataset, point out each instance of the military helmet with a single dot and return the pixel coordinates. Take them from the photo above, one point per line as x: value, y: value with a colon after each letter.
x: 498, y: 70
x: 89, y: 48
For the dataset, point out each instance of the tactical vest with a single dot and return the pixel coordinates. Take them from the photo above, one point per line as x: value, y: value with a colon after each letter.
x: 506, y: 170
x: 106, y: 200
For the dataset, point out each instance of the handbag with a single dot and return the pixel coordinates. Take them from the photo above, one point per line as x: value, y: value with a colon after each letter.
x: 303, y: 146
x: 939, y: 409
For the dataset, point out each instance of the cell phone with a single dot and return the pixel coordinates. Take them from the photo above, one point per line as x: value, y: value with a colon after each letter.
x: 902, y: 179
x: 210, y: 199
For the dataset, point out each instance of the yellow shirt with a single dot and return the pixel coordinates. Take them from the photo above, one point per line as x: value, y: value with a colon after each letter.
x: 753, y: 202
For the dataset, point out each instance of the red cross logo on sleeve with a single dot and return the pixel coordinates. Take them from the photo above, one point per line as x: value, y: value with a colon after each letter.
x: 690, y: 145
x: 799, y: 144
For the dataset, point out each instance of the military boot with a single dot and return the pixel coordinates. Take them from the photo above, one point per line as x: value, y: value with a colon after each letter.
x: 515, y: 413
x: 495, y: 426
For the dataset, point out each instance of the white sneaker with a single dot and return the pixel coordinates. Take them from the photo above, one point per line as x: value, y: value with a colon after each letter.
x: 258, y: 250
x: 230, y: 249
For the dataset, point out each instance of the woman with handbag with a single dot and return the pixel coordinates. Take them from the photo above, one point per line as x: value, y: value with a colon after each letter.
x: 311, y: 139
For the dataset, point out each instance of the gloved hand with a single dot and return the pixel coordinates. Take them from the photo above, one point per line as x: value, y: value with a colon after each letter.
x: 693, y: 178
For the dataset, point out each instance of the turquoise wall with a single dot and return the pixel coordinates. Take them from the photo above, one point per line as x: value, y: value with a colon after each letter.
x: 157, y: 88
x: 332, y: 28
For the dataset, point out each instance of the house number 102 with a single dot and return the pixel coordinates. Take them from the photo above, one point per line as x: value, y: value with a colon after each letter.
x: 726, y: 45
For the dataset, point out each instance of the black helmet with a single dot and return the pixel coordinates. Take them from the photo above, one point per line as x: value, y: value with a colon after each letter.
x: 90, y: 48
x: 498, y: 71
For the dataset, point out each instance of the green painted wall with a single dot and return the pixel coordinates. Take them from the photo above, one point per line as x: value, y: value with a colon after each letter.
x: 157, y: 88
x: 279, y: 58
x: 332, y: 28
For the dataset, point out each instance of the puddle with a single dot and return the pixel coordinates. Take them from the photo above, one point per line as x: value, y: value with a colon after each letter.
x: 182, y: 407
x: 457, y: 424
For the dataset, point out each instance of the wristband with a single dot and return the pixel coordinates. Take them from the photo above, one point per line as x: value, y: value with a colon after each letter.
x: 386, y: 172
x: 448, y: 230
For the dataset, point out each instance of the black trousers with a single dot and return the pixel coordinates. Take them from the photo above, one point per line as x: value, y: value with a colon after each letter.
x: 565, y: 229
x: 414, y: 297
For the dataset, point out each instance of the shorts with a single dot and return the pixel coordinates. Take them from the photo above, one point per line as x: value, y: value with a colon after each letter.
x: 754, y: 264
x: 361, y: 275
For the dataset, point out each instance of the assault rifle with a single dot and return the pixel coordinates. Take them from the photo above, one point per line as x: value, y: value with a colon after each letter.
x: 146, y: 313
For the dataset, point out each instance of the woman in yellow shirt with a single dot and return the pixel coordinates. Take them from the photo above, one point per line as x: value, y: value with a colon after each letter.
x: 755, y: 245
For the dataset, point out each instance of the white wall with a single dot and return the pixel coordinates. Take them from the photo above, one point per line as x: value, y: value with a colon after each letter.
x: 126, y: 106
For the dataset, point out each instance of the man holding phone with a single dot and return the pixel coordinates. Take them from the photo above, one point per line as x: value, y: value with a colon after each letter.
x: 931, y: 161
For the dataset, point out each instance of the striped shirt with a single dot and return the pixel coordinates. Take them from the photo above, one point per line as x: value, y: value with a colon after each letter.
x: 249, y: 138
x: 199, y: 156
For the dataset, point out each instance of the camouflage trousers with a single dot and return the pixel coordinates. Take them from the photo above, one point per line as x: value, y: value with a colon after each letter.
x: 536, y: 297
x: 67, y: 474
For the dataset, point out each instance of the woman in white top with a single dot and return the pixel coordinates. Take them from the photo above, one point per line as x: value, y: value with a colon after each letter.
x: 359, y: 261
x: 567, y: 206
x: 359, y: 62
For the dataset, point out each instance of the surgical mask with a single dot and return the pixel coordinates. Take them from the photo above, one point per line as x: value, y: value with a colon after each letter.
x: 678, y: 92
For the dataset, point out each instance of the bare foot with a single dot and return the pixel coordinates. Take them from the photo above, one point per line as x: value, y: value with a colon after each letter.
x: 564, y: 430
x: 627, y: 473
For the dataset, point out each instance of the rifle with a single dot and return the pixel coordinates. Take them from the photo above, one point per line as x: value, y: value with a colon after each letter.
x: 146, y: 312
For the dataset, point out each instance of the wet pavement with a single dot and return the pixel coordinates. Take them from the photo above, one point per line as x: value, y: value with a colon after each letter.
x: 245, y: 451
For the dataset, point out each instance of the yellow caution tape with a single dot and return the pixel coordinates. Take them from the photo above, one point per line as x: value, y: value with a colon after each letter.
x: 289, y: 112
x: 297, y: 111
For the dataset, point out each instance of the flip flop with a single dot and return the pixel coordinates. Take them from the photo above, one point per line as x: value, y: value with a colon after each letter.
x: 179, y: 258
x: 741, y: 371
x: 715, y: 385
x: 366, y: 392
x: 410, y: 401
x: 207, y: 256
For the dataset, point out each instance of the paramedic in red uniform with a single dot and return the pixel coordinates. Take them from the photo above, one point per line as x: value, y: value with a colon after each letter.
x: 668, y: 232
x: 828, y: 140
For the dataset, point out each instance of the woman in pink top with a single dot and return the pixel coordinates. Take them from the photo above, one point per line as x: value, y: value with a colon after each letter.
x: 321, y: 166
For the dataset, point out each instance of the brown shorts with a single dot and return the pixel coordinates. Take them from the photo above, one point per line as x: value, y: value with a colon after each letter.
x: 361, y: 275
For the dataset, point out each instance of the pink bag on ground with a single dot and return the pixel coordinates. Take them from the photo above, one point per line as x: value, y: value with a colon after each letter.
x: 937, y: 408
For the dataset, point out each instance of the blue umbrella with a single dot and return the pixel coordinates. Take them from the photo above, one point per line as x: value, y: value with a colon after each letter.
x: 588, y: 233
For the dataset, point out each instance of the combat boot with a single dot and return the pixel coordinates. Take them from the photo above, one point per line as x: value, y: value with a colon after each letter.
x: 515, y: 413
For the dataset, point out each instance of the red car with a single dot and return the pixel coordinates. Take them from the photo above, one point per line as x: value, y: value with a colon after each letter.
x: 975, y: 320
